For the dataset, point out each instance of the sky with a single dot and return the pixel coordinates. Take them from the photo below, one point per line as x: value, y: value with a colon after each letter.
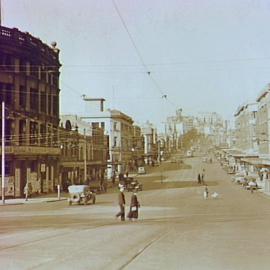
x: 148, y: 58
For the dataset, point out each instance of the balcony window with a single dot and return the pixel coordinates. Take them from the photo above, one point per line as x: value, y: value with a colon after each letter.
x: 33, y: 133
x: 22, y: 132
x: 42, y: 135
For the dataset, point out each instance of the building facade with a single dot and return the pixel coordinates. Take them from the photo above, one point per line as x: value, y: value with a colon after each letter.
x: 245, y: 128
x: 150, y: 144
x: 29, y: 86
x: 263, y: 122
x: 84, y: 151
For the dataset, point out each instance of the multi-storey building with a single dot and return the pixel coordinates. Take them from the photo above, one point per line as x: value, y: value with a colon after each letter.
x: 245, y: 128
x: 119, y: 127
x: 29, y: 86
x: 84, y: 151
x: 263, y: 122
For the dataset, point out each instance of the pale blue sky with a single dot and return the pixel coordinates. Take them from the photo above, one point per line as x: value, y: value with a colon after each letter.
x: 205, y: 55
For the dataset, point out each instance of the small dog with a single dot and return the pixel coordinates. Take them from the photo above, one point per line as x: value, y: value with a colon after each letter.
x: 215, y: 195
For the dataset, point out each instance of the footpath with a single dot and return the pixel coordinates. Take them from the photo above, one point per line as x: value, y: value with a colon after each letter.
x: 49, y: 198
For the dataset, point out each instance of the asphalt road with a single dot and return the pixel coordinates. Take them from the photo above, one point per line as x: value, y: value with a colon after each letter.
x: 177, y: 228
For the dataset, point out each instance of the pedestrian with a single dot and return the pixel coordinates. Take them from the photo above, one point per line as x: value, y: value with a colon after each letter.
x: 121, y: 202
x: 206, y: 192
x: 101, y: 184
x: 199, y: 179
x: 202, y: 178
x: 26, y: 191
x: 134, y: 206
x: 113, y: 179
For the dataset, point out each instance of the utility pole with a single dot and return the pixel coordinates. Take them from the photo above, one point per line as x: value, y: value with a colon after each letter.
x: 85, y: 156
x: 3, y: 152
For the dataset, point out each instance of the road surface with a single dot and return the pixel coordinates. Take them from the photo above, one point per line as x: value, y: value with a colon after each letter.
x: 177, y: 228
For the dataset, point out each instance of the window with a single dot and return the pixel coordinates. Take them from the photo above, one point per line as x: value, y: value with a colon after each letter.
x: 23, y: 66
x: 55, y: 105
x: 22, y: 132
x: 6, y: 93
x: 9, y: 62
x: 43, y: 102
x: 34, y: 106
x: 33, y: 166
x: 22, y: 100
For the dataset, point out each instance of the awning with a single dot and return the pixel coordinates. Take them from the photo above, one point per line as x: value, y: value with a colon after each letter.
x: 260, y: 162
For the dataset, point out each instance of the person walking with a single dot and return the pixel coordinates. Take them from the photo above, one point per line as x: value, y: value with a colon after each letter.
x: 199, y: 179
x: 121, y: 202
x: 26, y: 191
x: 202, y: 176
x: 206, y: 192
x: 134, y: 206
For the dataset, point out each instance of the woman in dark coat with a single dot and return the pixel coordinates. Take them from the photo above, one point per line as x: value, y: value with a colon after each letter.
x: 134, y: 207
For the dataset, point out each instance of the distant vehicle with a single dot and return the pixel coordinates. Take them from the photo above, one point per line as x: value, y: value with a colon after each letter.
x: 81, y: 194
x: 141, y: 170
x: 131, y: 184
x: 189, y: 153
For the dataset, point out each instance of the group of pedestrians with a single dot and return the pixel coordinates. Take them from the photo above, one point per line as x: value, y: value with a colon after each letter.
x: 201, y: 177
x: 133, y: 208
x: 201, y: 181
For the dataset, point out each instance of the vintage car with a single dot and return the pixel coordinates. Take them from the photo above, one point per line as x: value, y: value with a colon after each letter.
x: 130, y: 184
x: 81, y: 194
x: 134, y: 185
x: 141, y: 170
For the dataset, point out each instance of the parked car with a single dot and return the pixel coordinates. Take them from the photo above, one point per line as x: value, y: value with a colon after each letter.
x: 141, y: 170
x: 81, y: 194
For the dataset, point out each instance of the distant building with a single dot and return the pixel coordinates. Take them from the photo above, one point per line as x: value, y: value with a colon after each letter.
x: 29, y: 86
x: 245, y: 128
x: 137, y: 147
x: 263, y: 122
x: 150, y: 143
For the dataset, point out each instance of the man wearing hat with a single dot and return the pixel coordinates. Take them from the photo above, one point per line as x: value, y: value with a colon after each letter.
x: 121, y: 202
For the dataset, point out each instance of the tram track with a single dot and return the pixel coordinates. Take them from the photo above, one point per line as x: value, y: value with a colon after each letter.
x: 143, y: 249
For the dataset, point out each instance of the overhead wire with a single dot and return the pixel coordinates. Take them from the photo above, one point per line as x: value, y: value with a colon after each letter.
x: 148, y: 72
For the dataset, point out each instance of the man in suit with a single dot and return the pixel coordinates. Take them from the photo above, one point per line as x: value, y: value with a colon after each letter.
x: 121, y: 202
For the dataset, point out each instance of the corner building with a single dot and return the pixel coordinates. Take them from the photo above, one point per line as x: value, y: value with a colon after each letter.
x: 29, y: 86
